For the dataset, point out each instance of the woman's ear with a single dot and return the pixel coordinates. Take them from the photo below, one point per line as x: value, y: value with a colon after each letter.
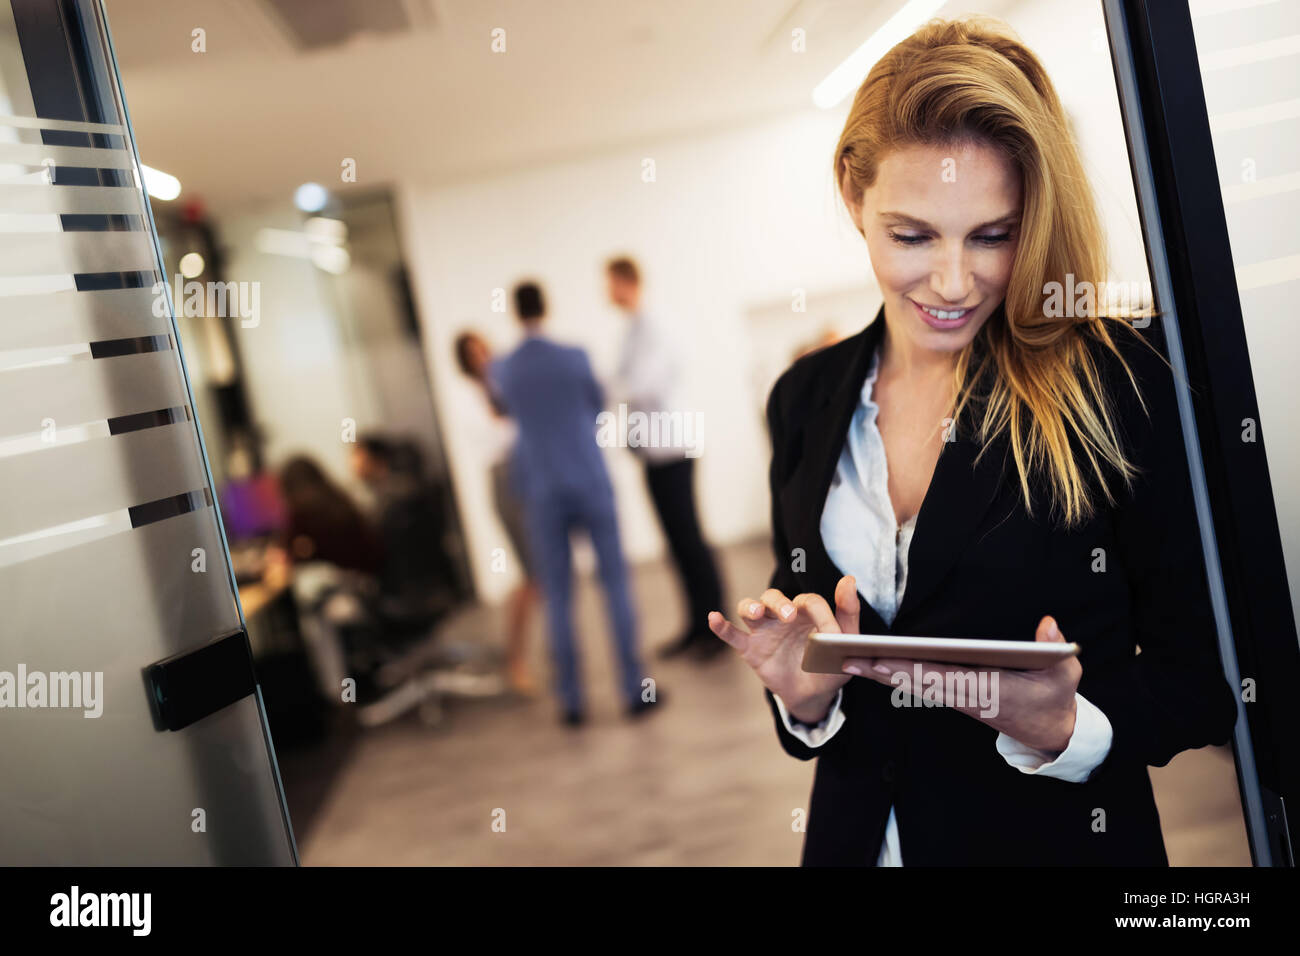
x: 852, y: 197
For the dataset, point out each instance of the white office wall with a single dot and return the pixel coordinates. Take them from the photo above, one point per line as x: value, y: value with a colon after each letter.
x: 732, y: 220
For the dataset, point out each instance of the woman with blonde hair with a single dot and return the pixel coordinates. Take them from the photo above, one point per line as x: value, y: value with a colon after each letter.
x: 981, y: 463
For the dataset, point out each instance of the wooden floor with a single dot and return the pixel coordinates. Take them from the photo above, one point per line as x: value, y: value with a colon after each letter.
x: 703, y: 782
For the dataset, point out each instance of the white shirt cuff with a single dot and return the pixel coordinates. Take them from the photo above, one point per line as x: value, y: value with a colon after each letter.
x: 1088, y: 747
x: 813, y: 736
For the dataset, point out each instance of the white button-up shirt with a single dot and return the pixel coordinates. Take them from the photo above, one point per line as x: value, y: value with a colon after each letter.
x: 864, y: 539
x: 649, y: 380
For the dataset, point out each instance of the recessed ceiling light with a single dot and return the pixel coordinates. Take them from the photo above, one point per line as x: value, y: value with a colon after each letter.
x: 311, y: 197
x: 191, y: 265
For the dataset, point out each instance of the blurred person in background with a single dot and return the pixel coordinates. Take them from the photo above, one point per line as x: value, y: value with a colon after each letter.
x: 499, y: 434
x: 648, y: 376
x: 412, y: 578
x: 331, y: 556
x: 401, y: 652
x: 551, y: 393
x: 323, y: 523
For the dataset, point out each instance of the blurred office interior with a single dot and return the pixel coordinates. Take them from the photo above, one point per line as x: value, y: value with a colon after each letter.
x: 385, y: 173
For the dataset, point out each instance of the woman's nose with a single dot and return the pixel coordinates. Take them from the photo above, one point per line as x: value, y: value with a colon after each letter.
x: 952, y: 279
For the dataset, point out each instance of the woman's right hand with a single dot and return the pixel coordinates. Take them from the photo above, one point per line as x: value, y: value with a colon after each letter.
x: 773, y: 645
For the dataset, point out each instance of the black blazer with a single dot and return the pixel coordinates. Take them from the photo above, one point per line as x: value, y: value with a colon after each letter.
x: 980, y: 566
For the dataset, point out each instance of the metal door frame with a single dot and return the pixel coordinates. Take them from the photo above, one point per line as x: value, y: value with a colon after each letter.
x: 1162, y: 99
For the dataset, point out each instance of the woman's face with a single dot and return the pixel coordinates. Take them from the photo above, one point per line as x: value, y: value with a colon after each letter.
x: 480, y: 356
x: 941, y: 224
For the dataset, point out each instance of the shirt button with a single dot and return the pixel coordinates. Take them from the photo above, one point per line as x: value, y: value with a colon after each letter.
x: 888, y: 772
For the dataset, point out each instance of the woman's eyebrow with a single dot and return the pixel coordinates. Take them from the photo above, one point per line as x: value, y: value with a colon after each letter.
x: 1008, y: 219
x: 909, y: 220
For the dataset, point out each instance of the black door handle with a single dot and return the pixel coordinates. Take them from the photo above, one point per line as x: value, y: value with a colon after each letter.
x: 190, y: 686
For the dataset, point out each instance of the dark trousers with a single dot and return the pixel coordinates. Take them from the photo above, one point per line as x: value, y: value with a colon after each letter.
x: 550, y: 521
x: 672, y: 489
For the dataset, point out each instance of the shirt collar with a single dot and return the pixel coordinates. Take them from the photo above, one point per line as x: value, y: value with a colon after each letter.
x: 868, y: 386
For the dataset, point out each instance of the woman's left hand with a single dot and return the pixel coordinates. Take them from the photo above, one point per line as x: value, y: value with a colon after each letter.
x: 1035, y: 708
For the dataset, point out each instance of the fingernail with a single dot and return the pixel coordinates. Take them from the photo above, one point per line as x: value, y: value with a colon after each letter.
x: 787, y: 611
x: 753, y: 608
x: 881, y: 669
x: 853, y: 669
x: 1053, y: 629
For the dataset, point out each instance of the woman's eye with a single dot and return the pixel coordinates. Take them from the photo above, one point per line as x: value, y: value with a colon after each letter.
x: 912, y: 239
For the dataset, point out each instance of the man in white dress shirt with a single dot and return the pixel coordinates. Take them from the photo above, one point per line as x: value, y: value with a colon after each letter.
x: 648, y: 375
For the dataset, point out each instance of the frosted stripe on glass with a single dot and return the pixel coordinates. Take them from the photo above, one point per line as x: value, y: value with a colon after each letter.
x: 74, y: 126
x: 67, y: 253
x: 64, y: 318
x: 127, y: 469
x: 75, y: 200
x: 78, y: 392
x: 131, y: 590
x: 35, y: 154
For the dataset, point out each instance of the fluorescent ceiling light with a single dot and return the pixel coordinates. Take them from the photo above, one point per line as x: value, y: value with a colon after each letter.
x: 848, y: 76
x: 159, y: 184
x: 333, y: 259
x: 326, y: 253
x: 284, y: 242
x: 332, y: 231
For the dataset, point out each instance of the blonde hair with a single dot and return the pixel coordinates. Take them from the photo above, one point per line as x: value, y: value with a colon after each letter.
x: 973, y: 80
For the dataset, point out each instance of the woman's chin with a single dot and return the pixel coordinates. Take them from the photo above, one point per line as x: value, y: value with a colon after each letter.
x: 947, y: 343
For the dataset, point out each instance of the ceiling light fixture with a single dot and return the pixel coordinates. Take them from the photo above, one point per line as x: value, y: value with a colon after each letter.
x: 160, y: 185
x: 848, y: 76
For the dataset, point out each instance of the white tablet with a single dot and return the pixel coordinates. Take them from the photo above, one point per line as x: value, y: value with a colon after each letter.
x: 826, y: 653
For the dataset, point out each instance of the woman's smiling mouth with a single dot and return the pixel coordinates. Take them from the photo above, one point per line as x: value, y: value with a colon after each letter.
x: 943, y: 318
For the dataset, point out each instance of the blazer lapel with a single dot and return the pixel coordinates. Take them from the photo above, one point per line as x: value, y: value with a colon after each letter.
x: 824, y: 431
x: 960, y: 494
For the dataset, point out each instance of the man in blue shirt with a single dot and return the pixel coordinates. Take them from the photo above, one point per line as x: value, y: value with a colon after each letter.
x: 560, y: 473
